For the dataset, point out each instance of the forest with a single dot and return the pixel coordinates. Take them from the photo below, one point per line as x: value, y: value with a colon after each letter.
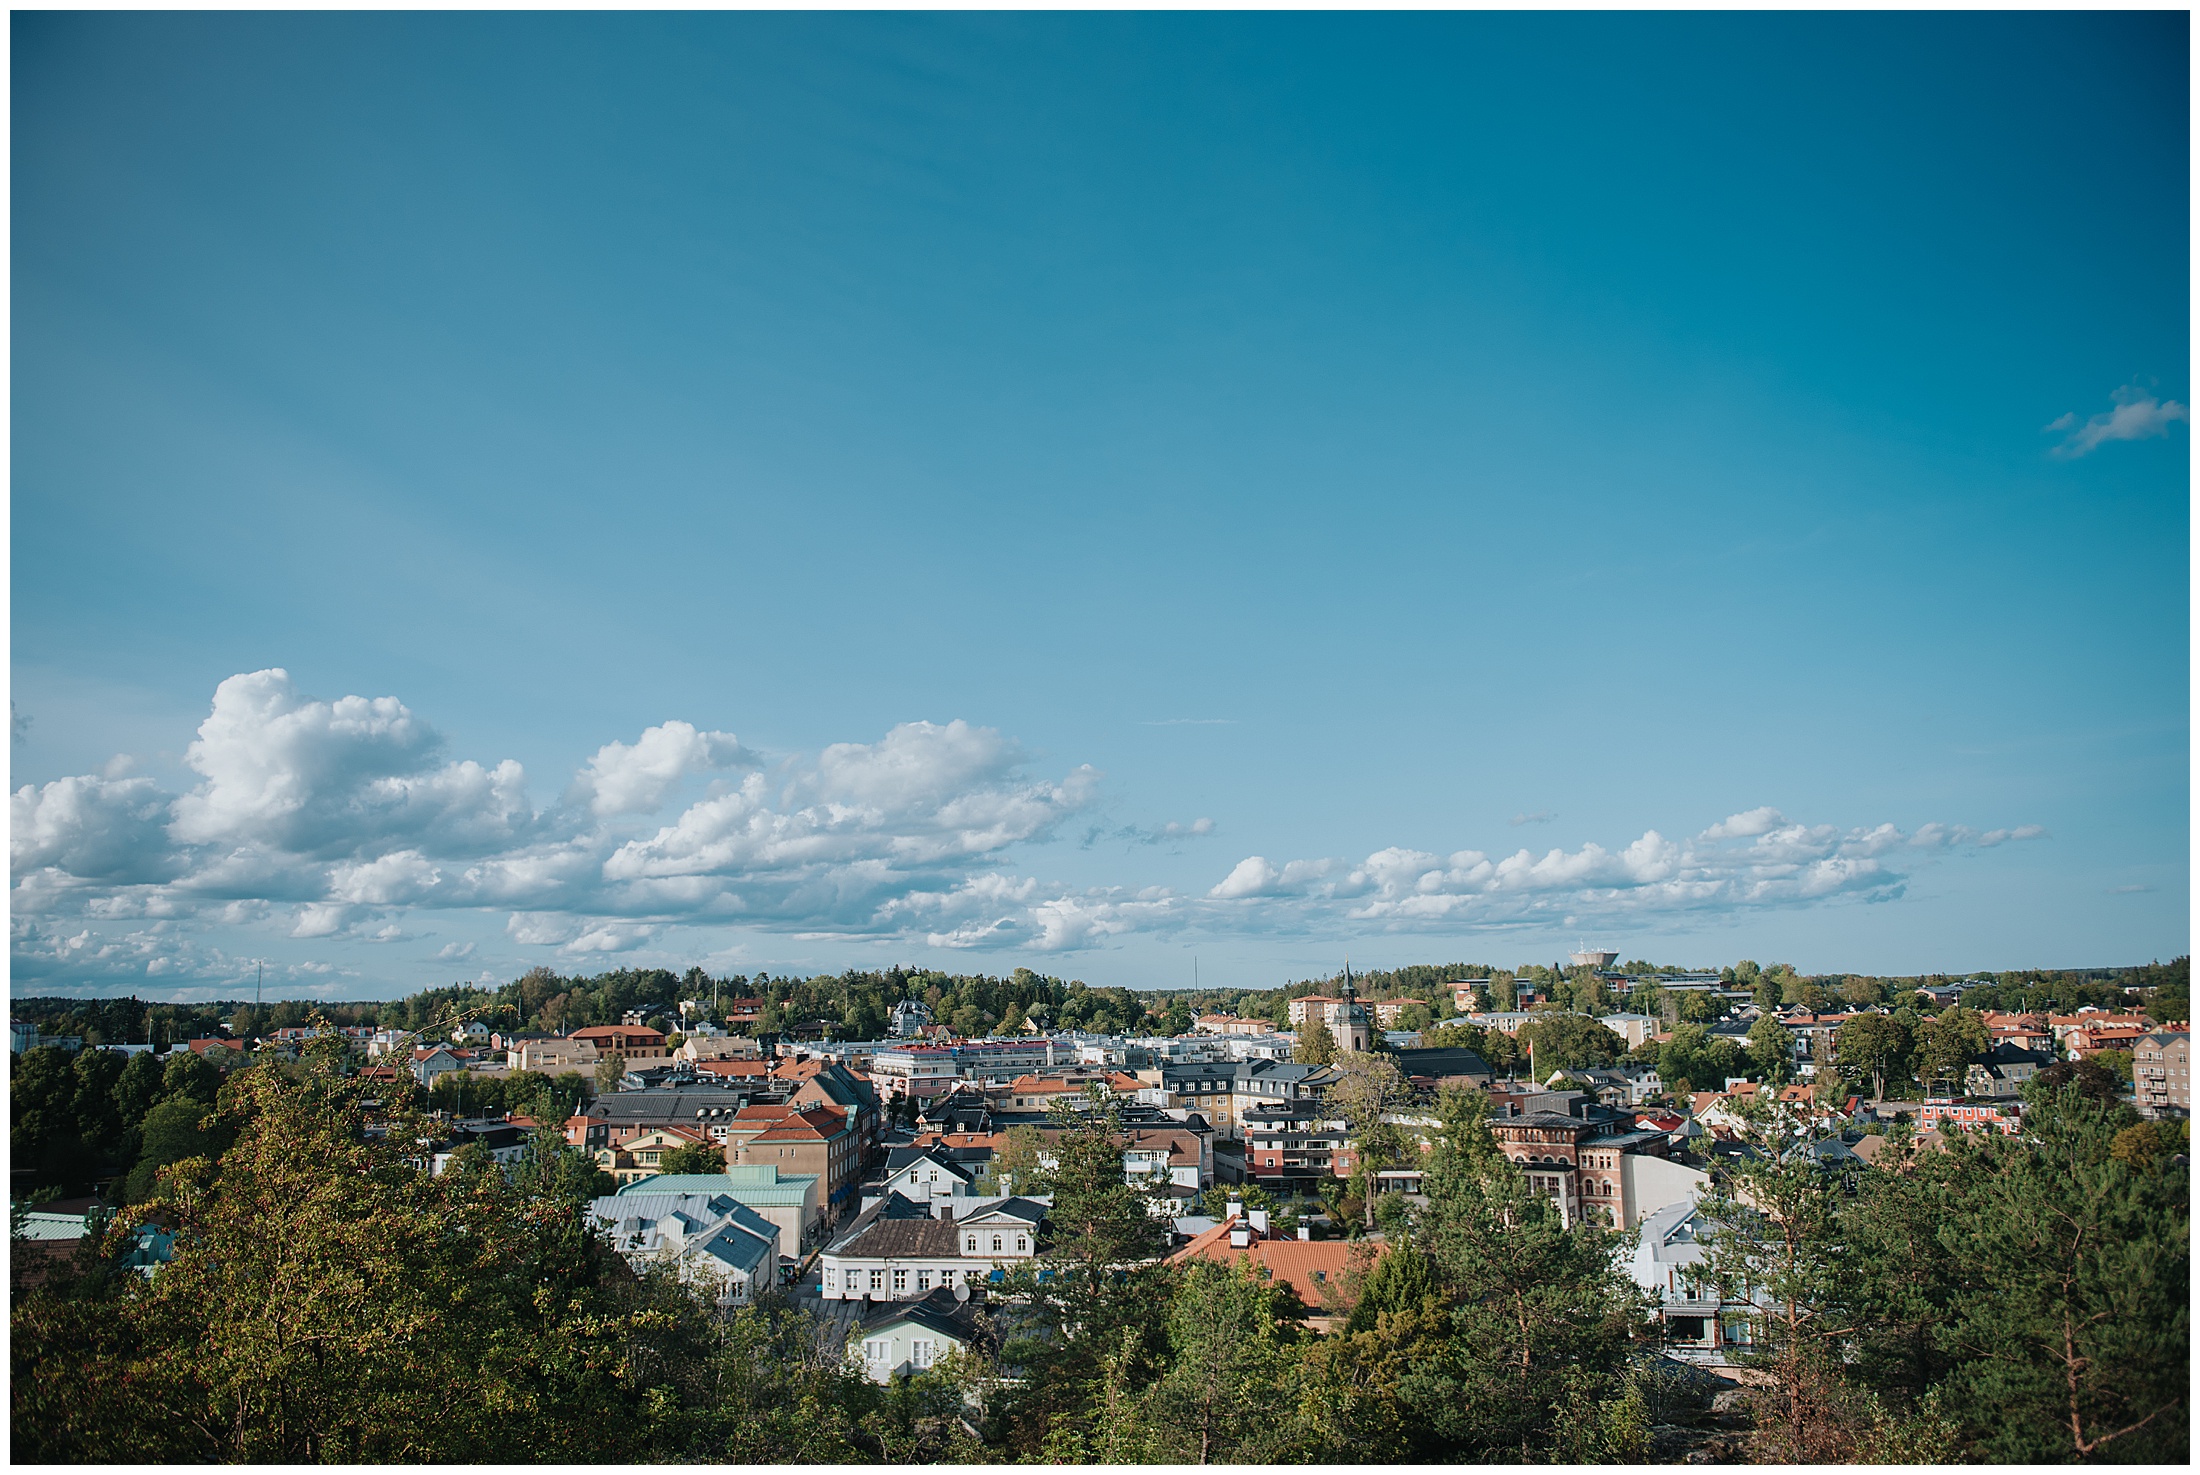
x: 2017, y: 1300
x: 854, y: 1004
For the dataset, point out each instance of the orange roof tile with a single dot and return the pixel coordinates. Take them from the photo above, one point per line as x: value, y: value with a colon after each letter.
x: 1308, y: 1266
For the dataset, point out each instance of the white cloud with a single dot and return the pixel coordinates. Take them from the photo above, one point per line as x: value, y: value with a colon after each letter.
x: 1753, y: 860
x: 318, y: 778
x: 1249, y: 877
x: 452, y: 952
x: 341, y: 820
x: 2138, y: 416
x: 95, y: 829
x: 623, y: 779
x: 1748, y: 822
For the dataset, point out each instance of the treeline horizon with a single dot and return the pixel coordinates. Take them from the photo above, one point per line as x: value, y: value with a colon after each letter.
x: 855, y: 1003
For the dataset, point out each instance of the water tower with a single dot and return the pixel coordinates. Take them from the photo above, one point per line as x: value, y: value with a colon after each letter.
x: 1590, y: 957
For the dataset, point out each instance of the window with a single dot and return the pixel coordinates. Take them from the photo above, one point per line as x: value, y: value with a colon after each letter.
x: 996, y: 1242
x: 1023, y: 1246
x: 970, y: 1244
x: 876, y: 1351
x: 878, y: 1280
x: 924, y: 1281
x: 921, y: 1352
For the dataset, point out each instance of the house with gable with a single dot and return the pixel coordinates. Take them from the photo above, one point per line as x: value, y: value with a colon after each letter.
x: 899, y: 1337
x: 1314, y: 1270
x: 885, y: 1257
x: 711, y: 1240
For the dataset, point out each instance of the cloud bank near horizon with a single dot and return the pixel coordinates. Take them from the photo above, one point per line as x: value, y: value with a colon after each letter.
x: 345, y: 825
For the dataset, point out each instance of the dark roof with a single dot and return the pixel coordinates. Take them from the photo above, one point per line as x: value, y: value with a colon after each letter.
x: 681, y: 1103
x: 1027, y: 1209
x: 2007, y: 1053
x: 1442, y: 1061
x: 940, y: 1312
x: 1546, y: 1120
x: 903, y: 1239
x: 894, y: 1206
x: 898, y: 1158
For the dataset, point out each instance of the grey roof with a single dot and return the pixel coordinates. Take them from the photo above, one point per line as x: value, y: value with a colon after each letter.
x: 1015, y: 1206
x: 903, y: 1239
x: 1442, y: 1061
x: 939, y: 1312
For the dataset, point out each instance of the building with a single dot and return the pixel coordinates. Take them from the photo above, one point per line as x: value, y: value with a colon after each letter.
x: 2003, y: 1070
x: 634, y: 1043
x: 900, y: 1337
x: 2161, y: 1073
x: 1943, y: 1113
x: 1314, y: 1270
x: 1699, y: 1325
x: 1635, y: 1029
x: 710, y: 1239
x: 1579, y: 1163
x: 637, y: 1154
x: 1505, y: 1022
x: 551, y: 1054
x: 811, y: 1140
x: 706, y: 1106
x: 1224, y: 1091
x: 1294, y: 1143
x: 790, y: 1201
x: 2079, y: 1043
x: 883, y: 1258
x: 1231, y: 1024
x: 2060, y: 1025
x: 441, y: 1060
x: 698, y: 1048
x: 908, y: 1017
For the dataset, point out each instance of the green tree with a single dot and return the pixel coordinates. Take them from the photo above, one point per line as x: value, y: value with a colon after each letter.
x: 329, y: 1301
x: 1771, y: 1048
x: 1227, y: 1368
x: 1945, y: 1043
x: 695, y: 1157
x: 1541, y: 1320
x: 189, y: 1074
x: 1774, y: 1243
x: 1871, y: 1048
x: 609, y: 1071
x: 1316, y: 1046
x: 1570, y: 1042
x: 2072, y: 1336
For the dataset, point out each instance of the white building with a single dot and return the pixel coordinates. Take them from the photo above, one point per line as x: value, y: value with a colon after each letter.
x: 912, y: 1336
x: 711, y: 1240
x: 887, y: 1259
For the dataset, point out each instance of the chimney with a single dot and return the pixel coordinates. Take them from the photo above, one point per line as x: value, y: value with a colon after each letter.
x: 1241, y: 1238
x: 1236, y: 1209
x: 1259, y: 1219
x: 1306, y: 1231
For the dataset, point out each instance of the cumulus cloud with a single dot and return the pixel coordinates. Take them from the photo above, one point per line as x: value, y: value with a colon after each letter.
x: 623, y: 779
x: 1748, y: 822
x: 2138, y: 415
x: 337, y: 822
x: 92, y: 828
x: 317, y: 778
x: 1752, y: 860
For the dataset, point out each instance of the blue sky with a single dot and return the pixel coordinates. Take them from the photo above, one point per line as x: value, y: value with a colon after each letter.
x: 1095, y: 491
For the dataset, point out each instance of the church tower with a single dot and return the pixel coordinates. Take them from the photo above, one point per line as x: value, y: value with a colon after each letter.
x: 1350, y: 1025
